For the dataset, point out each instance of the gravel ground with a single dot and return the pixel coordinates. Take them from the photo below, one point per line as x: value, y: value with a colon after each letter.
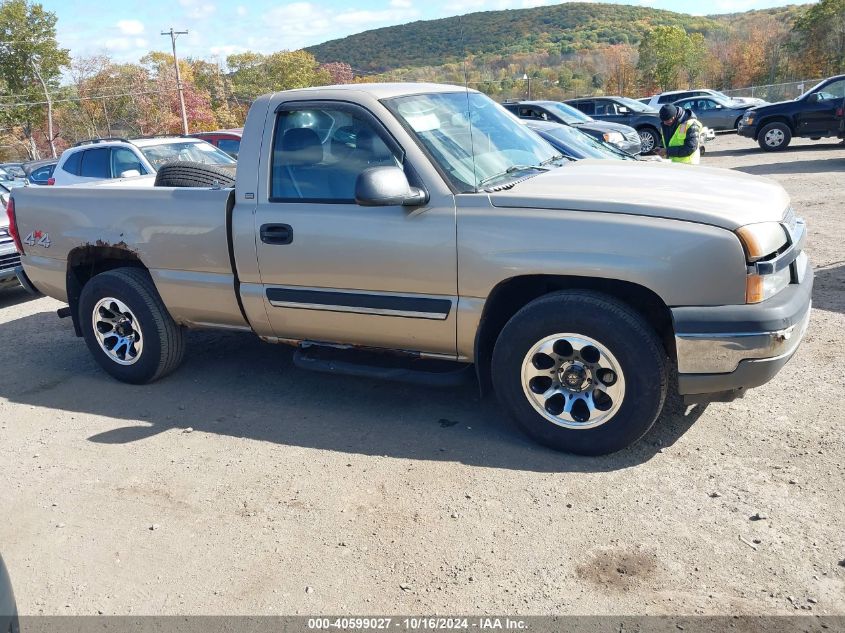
x: 241, y: 485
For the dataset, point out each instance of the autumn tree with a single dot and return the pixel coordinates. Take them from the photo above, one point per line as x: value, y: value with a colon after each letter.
x: 31, y: 61
x: 339, y: 72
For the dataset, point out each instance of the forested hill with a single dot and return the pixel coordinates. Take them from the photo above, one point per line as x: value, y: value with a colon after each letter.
x: 562, y: 28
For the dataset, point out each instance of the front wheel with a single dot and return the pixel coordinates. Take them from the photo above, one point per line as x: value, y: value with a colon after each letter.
x: 649, y: 140
x: 127, y: 328
x: 580, y: 372
x: 774, y: 137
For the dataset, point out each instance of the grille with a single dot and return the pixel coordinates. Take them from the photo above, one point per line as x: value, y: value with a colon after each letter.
x: 4, y: 234
x: 10, y: 260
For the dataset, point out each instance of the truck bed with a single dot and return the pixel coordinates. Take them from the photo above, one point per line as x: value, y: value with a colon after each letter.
x: 179, y: 234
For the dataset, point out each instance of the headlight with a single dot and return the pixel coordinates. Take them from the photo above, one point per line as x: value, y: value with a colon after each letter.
x: 760, y: 287
x: 613, y: 137
x: 759, y: 241
x: 762, y: 239
x: 748, y: 118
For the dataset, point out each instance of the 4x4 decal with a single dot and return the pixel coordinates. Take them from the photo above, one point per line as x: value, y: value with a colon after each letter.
x: 38, y: 238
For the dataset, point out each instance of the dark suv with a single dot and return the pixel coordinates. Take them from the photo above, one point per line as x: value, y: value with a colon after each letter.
x: 812, y: 115
x: 622, y: 136
x: 644, y: 119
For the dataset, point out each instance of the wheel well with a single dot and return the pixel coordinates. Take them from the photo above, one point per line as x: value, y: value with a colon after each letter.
x: 85, y: 262
x: 513, y: 294
x: 775, y: 119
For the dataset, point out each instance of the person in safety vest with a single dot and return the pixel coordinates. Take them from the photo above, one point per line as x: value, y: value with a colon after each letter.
x: 680, y: 130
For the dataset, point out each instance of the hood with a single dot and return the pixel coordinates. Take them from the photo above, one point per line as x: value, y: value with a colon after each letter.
x: 605, y: 126
x: 764, y: 107
x: 707, y: 195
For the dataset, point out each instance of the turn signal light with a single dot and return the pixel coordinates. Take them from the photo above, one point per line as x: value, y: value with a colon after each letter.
x: 754, y: 289
x: 51, y: 181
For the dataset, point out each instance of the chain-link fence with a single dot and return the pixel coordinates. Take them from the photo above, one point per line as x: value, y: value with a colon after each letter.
x: 775, y: 92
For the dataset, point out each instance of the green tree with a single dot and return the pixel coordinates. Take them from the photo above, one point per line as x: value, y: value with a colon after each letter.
x: 820, y: 37
x: 663, y: 54
x: 31, y: 61
x: 695, y: 56
x: 254, y: 74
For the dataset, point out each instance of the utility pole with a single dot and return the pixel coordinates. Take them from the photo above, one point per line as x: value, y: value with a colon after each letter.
x: 173, y: 35
x: 528, y: 79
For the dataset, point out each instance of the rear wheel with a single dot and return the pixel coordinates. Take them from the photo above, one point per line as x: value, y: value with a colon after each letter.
x: 127, y: 328
x: 774, y: 137
x: 649, y: 139
x: 580, y: 372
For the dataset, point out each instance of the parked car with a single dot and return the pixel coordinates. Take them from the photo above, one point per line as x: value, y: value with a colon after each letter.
x: 15, y: 170
x: 580, y: 283
x: 671, y: 96
x: 39, y: 172
x: 9, y: 258
x: 644, y: 119
x: 101, y: 159
x: 841, y: 114
x: 227, y: 140
x: 812, y: 115
x: 624, y: 137
x: 574, y: 144
x: 714, y: 112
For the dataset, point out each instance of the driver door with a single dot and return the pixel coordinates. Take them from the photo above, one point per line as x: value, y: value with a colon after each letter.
x: 334, y: 271
x: 819, y: 118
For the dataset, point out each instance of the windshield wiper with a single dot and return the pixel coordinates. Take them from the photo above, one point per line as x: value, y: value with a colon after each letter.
x: 511, y: 170
x: 554, y: 158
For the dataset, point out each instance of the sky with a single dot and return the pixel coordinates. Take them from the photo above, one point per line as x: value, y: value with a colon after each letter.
x: 128, y: 30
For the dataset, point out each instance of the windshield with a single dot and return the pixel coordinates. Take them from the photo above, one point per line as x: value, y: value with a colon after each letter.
x: 567, y: 113
x: 15, y: 170
x: 473, y: 140
x: 575, y: 143
x: 636, y: 106
x: 199, y: 152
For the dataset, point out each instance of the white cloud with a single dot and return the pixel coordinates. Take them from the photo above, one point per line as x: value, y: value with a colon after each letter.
x: 241, y: 10
x: 401, y: 4
x: 302, y: 23
x: 197, y: 10
x: 130, y: 27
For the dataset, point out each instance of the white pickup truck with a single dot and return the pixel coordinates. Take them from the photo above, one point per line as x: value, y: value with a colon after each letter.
x: 411, y: 231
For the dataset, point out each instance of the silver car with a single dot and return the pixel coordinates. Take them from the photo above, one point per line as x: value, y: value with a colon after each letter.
x: 716, y: 113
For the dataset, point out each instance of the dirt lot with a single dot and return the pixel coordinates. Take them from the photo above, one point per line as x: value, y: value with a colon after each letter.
x: 243, y: 485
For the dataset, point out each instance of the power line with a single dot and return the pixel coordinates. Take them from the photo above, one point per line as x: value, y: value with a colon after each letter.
x: 92, y: 98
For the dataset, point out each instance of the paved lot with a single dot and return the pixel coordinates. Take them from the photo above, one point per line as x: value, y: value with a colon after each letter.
x: 243, y: 485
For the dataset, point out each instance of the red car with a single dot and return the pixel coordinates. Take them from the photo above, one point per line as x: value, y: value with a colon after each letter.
x: 227, y: 140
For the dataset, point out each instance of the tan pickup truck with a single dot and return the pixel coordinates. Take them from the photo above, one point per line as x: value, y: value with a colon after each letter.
x: 411, y: 231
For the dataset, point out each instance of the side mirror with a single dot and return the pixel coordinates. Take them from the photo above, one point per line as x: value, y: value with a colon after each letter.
x: 814, y: 97
x: 130, y: 173
x: 718, y: 106
x: 387, y: 187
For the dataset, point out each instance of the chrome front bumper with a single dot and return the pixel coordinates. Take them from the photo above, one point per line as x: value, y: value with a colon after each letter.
x: 722, y: 353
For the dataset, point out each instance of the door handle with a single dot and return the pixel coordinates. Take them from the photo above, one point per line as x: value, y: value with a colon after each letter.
x: 276, y: 233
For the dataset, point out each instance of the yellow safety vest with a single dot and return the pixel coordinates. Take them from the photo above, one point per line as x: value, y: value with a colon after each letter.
x: 678, y: 139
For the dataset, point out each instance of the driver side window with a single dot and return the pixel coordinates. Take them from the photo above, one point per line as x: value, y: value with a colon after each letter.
x: 319, y: 154
x: 833, y: 91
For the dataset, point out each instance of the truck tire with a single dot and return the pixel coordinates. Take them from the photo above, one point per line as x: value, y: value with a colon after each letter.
x: 189, y: 174
x: 127, y: 327
x: 580, y: 372
x: 649, y: 139
x: 774, y: 137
